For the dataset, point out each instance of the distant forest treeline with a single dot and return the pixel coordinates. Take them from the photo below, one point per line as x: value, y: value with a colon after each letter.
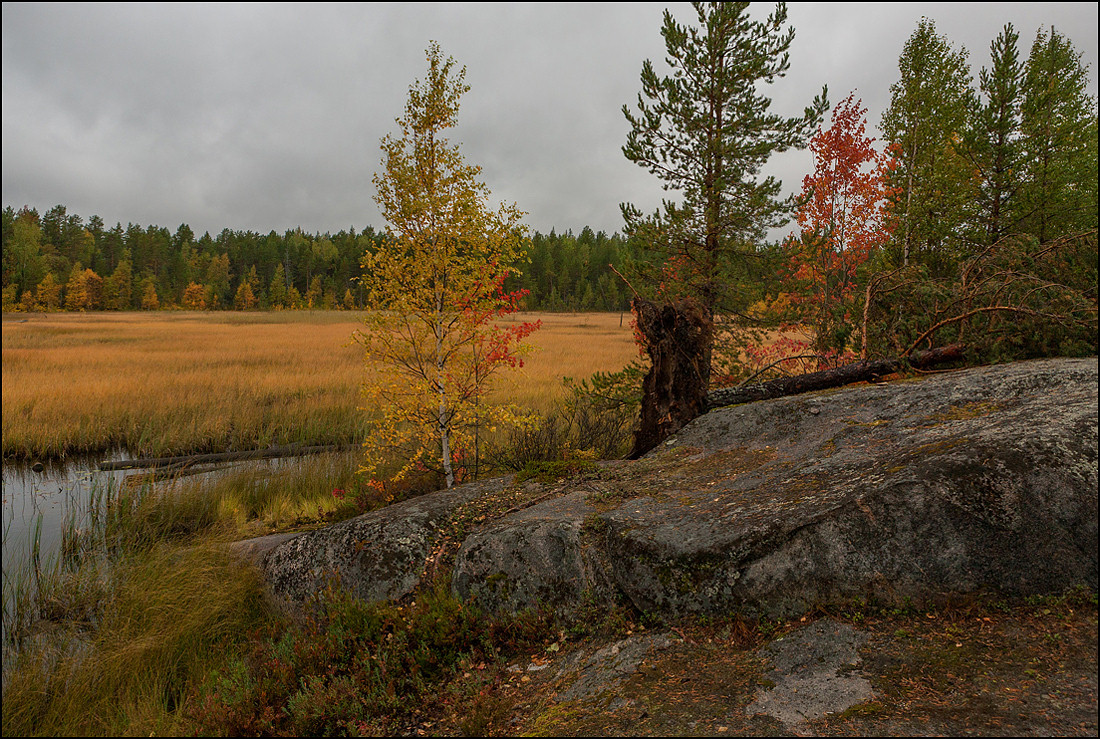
x: 59, y: 261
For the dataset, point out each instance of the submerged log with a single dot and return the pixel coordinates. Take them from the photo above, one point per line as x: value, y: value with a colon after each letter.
x: 183, y: 462
x: 846, y: 375
x: 678, y: 339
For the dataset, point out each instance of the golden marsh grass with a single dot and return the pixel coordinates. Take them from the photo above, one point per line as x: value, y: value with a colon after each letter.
x: 166, y: 383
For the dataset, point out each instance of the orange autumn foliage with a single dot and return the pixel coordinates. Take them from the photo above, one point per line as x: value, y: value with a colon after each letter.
x: 843, y: 221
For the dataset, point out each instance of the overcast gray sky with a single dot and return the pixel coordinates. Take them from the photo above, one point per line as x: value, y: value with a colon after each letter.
x: 269, y: 116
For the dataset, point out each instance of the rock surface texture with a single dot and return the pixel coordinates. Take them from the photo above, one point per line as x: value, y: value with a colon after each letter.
x: 967, y: 481
x: 811, y: 675
x: 377, y: 556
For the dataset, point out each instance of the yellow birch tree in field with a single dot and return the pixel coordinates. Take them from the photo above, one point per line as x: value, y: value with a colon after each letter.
x: 433, y: 290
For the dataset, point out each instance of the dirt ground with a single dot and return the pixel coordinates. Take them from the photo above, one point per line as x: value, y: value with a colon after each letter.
x: 1023, y: 670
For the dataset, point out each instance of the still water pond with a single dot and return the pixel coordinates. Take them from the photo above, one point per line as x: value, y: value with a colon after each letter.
x: 38, y: 504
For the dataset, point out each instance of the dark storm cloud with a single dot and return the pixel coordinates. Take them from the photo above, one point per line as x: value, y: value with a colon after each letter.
x: 264, y: 117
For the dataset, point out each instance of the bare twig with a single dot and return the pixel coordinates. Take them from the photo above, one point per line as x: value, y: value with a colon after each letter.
x: 620, y: 274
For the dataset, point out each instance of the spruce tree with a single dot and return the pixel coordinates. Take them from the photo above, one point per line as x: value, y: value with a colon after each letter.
x: 993, y: 143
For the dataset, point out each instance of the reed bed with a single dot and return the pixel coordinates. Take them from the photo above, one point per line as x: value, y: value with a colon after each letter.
x: 173, y: 383
x: 111, y: 633
x: 172, y: 614
x: 161, y: 384
x: 568, y: 345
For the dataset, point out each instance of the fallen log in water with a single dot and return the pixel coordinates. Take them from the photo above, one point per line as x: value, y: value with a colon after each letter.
x: 846, y: 375
x: 182, y: 462
x: 161, y: 474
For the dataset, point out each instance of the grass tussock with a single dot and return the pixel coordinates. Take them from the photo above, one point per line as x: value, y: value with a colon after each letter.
x: 246, y: 501
x: 174, y: 614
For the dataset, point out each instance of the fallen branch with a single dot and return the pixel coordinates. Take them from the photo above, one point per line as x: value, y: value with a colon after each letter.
x: 846, y: 375
x: 179, y: 463
x: 161, y: 474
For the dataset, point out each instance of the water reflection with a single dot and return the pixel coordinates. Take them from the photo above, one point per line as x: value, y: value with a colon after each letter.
x: 43, y: 502
x: 43, y: 509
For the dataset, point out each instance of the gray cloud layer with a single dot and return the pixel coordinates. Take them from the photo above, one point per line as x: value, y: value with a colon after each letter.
x: 269, y: 117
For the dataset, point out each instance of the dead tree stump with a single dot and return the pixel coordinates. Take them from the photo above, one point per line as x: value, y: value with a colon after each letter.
x: 678, y: 338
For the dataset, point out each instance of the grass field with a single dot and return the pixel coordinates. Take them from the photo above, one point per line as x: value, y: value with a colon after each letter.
x: 168, y: 383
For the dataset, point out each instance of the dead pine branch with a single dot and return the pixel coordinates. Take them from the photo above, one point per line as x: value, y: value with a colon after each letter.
x: 862, y: 371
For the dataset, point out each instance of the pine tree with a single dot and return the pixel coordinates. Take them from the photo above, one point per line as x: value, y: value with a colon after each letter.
x: 705, y: 131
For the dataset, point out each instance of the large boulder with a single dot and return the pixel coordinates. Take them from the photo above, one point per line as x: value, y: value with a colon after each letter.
x: 961, y: 482
x: 377, y: 556
x: 975, y: 480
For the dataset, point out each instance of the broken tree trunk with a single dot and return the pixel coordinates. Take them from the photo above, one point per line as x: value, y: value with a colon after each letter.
x: 274, y: 452
x: 678, y: 338
x: 846, y: 375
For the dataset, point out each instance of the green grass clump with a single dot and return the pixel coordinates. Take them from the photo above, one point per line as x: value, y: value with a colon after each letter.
x: 173, y: 615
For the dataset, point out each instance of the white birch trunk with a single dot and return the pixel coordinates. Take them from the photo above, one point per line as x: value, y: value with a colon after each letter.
x: 442, y: 425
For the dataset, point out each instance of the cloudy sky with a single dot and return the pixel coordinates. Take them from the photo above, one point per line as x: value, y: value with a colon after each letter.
x: 269, y: 116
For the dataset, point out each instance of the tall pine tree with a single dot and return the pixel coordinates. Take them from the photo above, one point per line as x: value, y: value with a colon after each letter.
x: 706, y: 132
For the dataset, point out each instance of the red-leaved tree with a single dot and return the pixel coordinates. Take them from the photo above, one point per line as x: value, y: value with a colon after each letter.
x: 843, y: 221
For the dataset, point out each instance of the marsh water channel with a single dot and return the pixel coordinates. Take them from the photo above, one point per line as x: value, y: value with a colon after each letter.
x: 38, y: 504
x: 60, y: 509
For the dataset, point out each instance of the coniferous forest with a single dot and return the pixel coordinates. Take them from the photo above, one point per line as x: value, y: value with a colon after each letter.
x: 60, y: 261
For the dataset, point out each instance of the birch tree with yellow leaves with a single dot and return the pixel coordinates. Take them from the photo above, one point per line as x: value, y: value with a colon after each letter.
x: 435, y: 289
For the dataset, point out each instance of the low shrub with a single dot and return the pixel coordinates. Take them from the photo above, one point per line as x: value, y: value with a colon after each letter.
x: 353, y: 666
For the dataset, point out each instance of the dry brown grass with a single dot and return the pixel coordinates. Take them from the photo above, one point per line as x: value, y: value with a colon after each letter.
x: 568, y: 345
x: 160, y: 383
x: 164, y: 383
